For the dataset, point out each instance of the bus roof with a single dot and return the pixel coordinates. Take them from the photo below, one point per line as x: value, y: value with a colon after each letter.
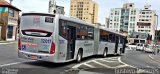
x: 74, y: 19
x: 70, y: 19
x: 109, y: 30
x: 34, y: 13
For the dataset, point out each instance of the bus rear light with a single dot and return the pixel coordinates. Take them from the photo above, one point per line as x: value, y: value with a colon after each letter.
x: 52, y: 50
x: 19, y: 44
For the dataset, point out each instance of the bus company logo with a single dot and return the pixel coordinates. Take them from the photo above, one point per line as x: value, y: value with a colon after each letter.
x: 27, y: 39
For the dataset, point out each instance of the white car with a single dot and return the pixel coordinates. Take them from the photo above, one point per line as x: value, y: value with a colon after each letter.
x: 131, y: 46
x: 140, y: 46
x: 149, y: 48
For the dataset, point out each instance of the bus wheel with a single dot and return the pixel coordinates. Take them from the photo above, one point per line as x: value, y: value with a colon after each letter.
x: 79, y: 56
x: 105, y: 52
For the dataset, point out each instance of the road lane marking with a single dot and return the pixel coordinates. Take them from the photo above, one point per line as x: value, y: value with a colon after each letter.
x: 107, y: 60
x: 4, y: 65
x: 89, y: 65
x: 151, y: 56
x: 119, y: 59
x: 76, y: 66
x: 120, y: 66
x: 9, y: 64
x: 101, y: 64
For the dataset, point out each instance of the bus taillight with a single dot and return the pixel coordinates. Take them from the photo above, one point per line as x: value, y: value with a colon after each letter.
x: 52, y: 50
x: 19, y: 44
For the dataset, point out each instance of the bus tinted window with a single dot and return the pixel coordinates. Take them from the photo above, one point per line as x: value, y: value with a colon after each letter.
x: 90, y: 32
x: 121, y: 40
x: 104, y: 35
x: 62, y: 29
x: 82, y: 32
x: 111, y: 37
x: 85, y: 32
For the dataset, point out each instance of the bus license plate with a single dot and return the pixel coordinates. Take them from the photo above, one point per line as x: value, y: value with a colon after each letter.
x: 34, y: 57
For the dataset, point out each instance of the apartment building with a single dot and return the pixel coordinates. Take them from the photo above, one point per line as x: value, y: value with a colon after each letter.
x: 123, y: 19
x: 129, y: 19
x: 86, y: 10
x: 147, y: 21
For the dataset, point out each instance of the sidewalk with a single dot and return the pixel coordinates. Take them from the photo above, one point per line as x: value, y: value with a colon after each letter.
x: 7, y: 42
x: 155, y: 57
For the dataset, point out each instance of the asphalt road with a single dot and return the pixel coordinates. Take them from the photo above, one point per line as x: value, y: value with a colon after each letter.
x: 9, y: 61
x: 139, y: 59
x: 8, y: 53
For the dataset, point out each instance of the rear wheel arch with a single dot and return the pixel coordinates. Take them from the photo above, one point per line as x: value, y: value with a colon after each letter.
x: 79, y: 55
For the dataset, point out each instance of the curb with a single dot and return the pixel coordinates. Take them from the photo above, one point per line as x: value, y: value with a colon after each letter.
x: 153, y: 58
x: 3, y: 43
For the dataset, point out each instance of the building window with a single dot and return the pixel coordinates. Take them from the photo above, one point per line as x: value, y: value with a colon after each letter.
x: 142, y: 26
x: 143, y: 12
x: 10, y: 31
x: 11, y: 12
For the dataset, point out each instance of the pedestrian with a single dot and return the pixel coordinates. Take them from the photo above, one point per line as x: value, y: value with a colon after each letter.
x: 158, y: 51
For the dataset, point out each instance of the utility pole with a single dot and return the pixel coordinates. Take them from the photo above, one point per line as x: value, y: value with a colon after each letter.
x: 156, y: 34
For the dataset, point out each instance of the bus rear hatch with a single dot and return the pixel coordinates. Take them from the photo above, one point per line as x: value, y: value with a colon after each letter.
x: 36, y: 33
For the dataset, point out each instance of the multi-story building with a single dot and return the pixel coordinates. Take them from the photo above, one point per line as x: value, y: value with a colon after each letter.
x: 86, y: 10
x: 9, y: 16
x: 147, y: 21
x: 55, y: 9
x: 107, y: 23
x: 123, y: 19
x: 130, y: 19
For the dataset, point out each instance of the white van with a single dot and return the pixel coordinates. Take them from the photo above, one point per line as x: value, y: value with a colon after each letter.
x: 140, y: 46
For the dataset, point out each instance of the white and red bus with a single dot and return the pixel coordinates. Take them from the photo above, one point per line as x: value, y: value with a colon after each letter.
x: 57, y: 38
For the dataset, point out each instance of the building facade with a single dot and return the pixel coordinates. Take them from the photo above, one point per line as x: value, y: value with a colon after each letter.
x: 55, y: 9
x: 107, y: 23
x: 9, y: 16
x: 86, y: 10
x: 123, y: 19
x: 147, y: 21
x: 129, y: 19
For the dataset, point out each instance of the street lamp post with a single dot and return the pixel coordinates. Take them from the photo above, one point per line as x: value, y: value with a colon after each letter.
x: 156, y: 33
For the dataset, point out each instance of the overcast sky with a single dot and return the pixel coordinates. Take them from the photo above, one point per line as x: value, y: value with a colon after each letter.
x: 104, y: 6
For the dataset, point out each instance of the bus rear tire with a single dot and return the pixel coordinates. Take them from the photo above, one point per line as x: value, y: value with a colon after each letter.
x: 79, y: 56
x: 105, y: 52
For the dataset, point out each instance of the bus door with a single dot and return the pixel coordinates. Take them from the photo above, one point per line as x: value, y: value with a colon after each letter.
x: 116, y: 43
x: 71, y: 37
x: 124, y: 44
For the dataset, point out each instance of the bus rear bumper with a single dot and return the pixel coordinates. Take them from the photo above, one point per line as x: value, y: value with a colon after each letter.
x: 36, y: 56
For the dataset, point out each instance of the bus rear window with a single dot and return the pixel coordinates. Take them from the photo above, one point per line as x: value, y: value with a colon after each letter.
x: 37, y: 21
x: 37, y: 33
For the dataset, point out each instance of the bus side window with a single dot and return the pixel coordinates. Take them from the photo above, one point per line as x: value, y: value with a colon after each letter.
x: 62, y: 29
x: 90, y: 32
x: 82, y: 33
